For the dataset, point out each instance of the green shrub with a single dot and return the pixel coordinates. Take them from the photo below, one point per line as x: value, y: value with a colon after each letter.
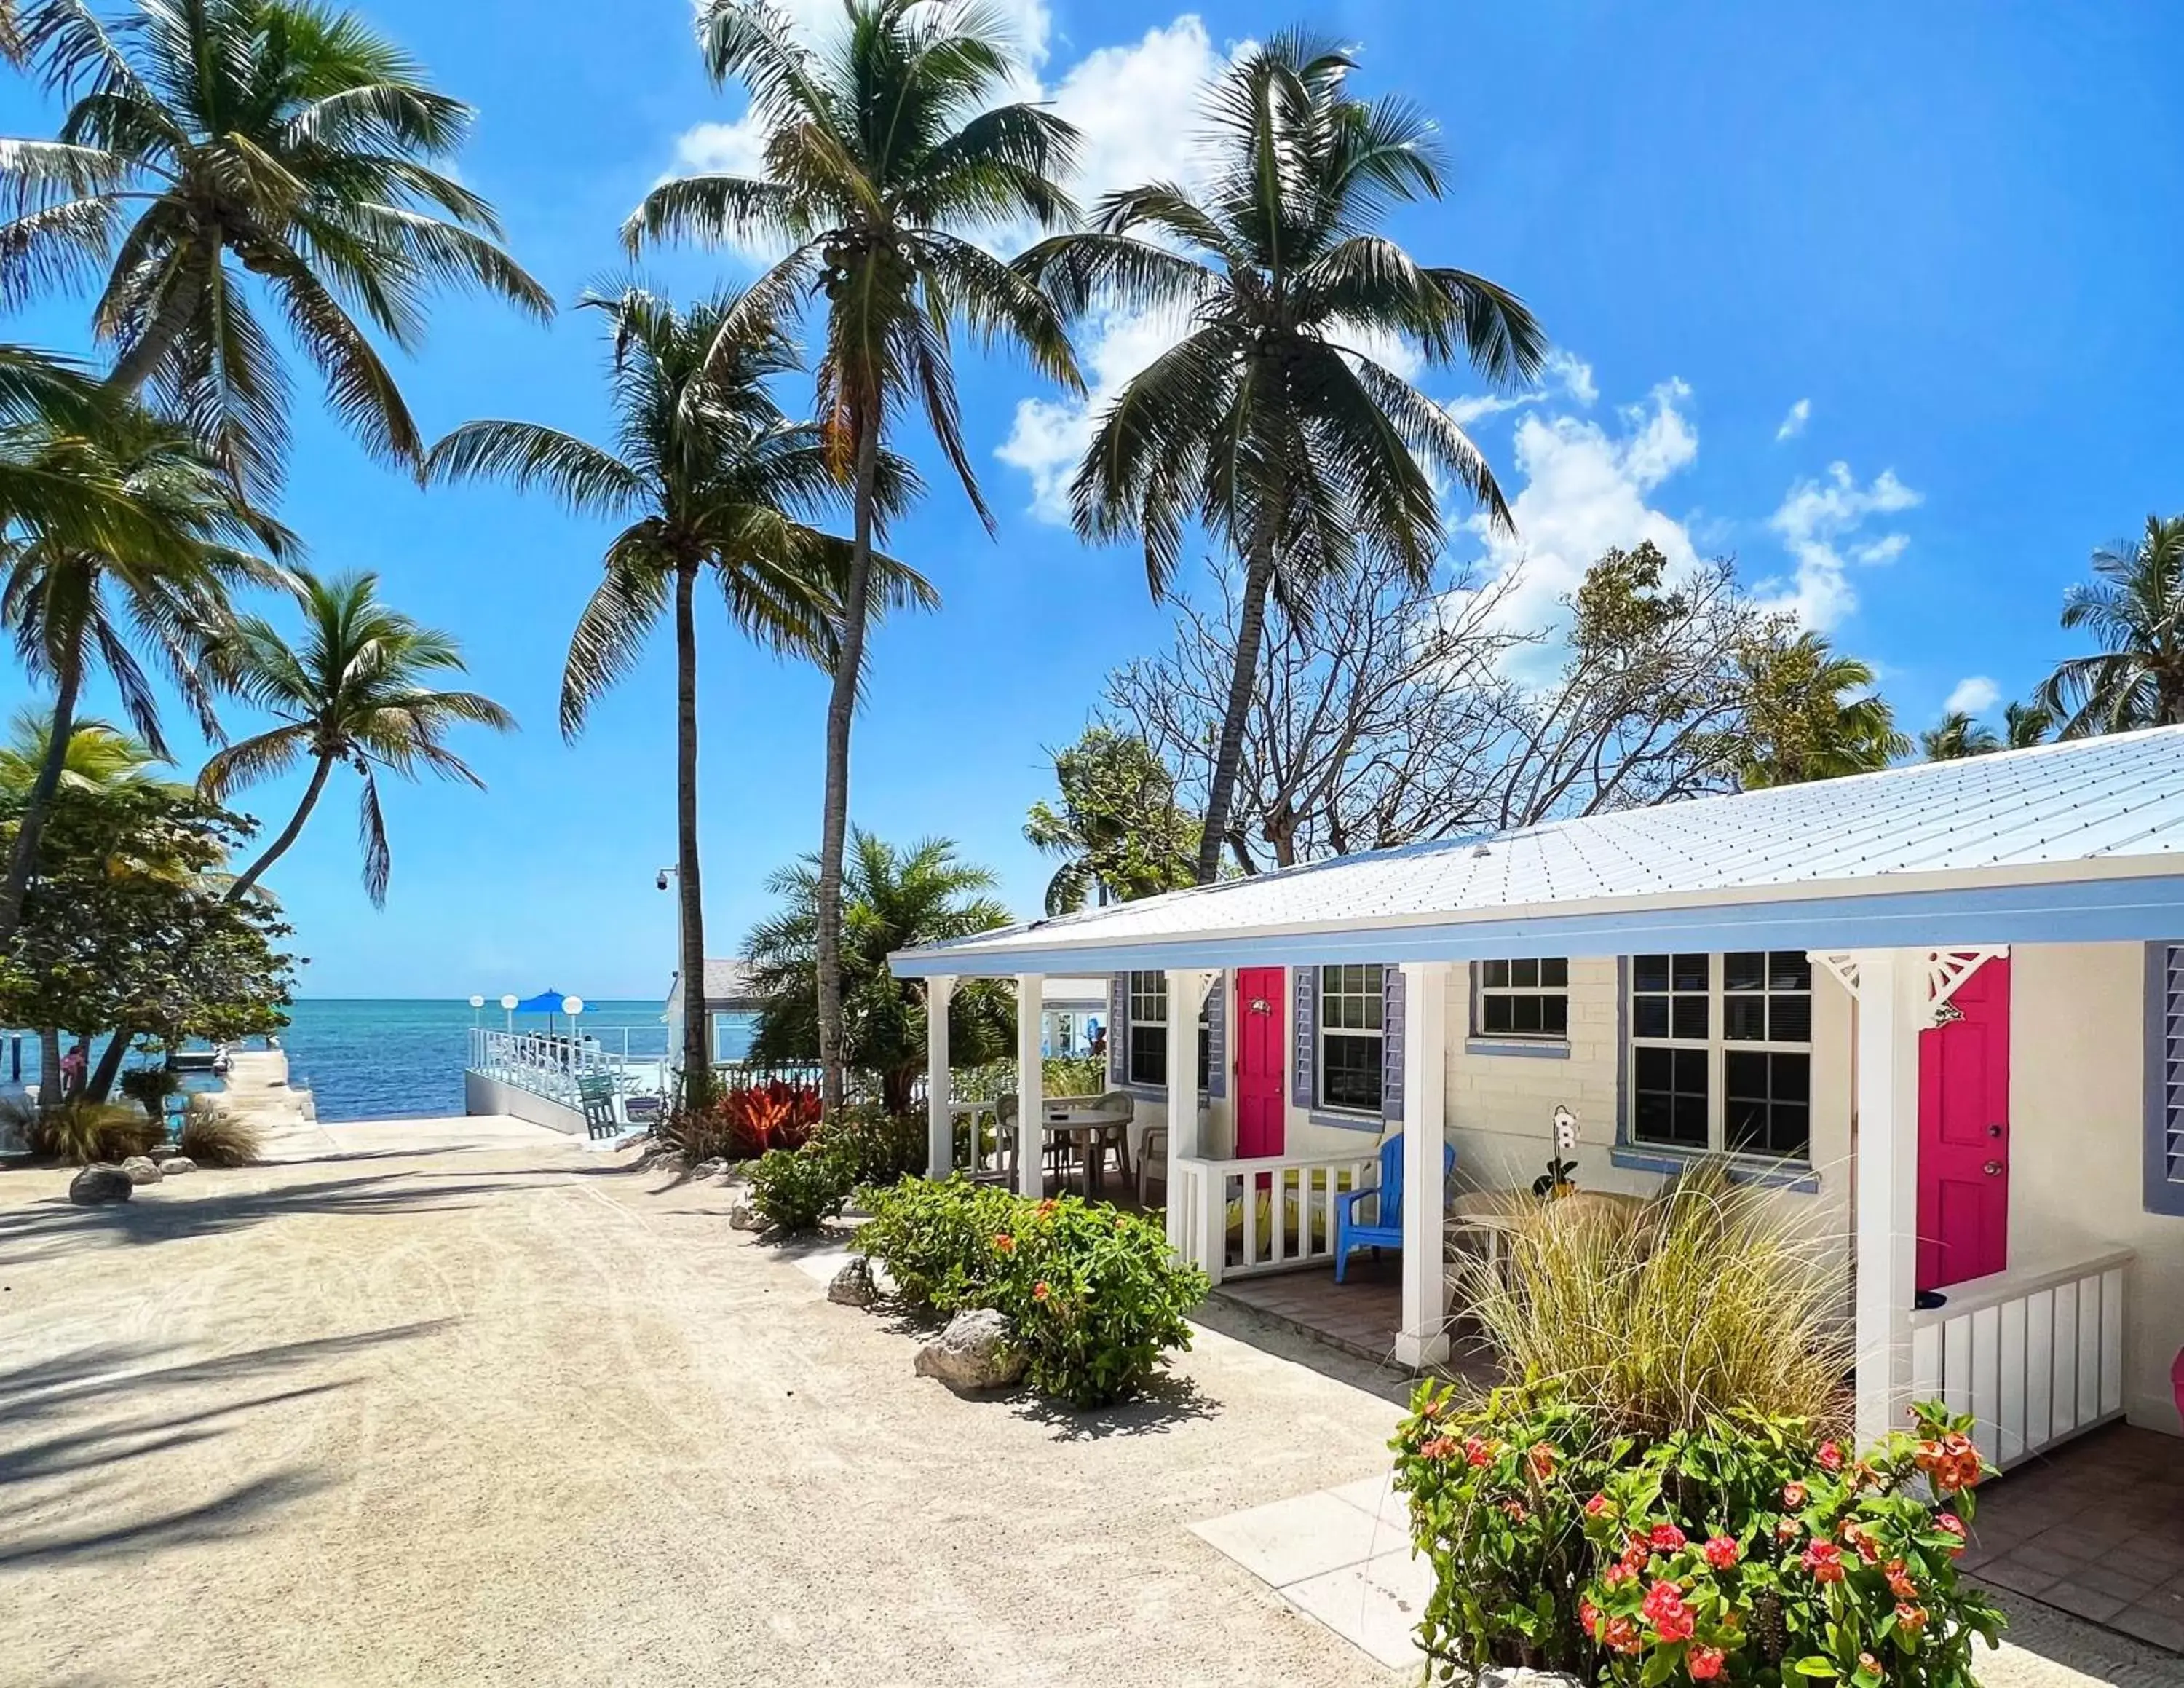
x: 879, y: 1148
x: 1096, y: 1296
x: 936, y: 1239
x: 213, y: 1136
x: 795, y: 1189
x: 149, y: 1087
x: 1749, y: 1549
x: 81, y: 1132
x: 1072, y: 1076
x: 1700, y: 1301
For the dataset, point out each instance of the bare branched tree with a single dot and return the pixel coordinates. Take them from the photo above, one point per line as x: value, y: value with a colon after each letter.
x: 1391, y: 713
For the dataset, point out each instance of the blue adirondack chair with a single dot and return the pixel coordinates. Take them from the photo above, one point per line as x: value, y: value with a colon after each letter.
x: 1386, y: 1232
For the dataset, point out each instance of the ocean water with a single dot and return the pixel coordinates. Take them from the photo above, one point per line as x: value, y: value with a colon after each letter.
x: 381, y: 1058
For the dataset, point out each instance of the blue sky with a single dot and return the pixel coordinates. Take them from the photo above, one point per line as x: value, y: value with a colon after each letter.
x: 1880, y: 299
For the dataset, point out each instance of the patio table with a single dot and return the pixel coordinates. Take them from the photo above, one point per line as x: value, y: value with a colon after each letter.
x: 1497, y: 1214
x: 1088, y: 1128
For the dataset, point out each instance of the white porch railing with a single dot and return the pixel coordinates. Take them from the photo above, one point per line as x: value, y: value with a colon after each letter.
x: 2037, y: 1357
x: 1238, y: 1218
x: 552, y: 1064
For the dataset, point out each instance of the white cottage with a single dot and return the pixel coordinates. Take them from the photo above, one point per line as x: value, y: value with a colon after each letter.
x: 1940, y: 1007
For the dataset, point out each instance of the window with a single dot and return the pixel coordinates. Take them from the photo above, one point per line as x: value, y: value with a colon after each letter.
x: 1149, y: 1028
x: 1149, y: 1032
x: 1525, y: 999
x: 1721, y: 1053
x: 1350, y: 1038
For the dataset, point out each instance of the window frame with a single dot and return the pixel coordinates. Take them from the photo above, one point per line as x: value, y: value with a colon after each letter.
x: 1139, y: 1020
x: 1717, y: 1046
x: 1375, y: 996
x: 1482, y: 989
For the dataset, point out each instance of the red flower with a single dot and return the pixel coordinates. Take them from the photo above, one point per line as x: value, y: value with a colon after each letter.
x: 1899, y: 1581
x: 1040, y: 1292
x: 1596, y: 1507
x: 1793, y: 1496
x: 1721, y: 1552
x: 1005, y: 1244
x: 1664, y: 1599
x: 1477, y: 1452
x: 1588, y: 1614
x: 1667, y: 1538
x: 1675, y: 1626
x: 1856, y: 1534
x: 1541, y: 1457
x: 1787, y: 1530
x: 1869, y: 1663
x: 1704, y: 1662
x: 1830, y: 1458
x: 1950, y: 1525
x: 1621, y: 1635
x: 1437, y: 1447
x: 1910, y: 1616
x: 1823, y: 1559
x: 1617, y: 1574
x: 1516, y: 1511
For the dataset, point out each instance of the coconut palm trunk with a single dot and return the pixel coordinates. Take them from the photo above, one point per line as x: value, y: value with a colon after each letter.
x: 288, y: 834
x: 100, y: 1085
x: 841, y: 714
x: 697, y: 1049
x: 133, y: 367
x: 24, y: 861
x: 1244, y: 677
x: 49, y: 1067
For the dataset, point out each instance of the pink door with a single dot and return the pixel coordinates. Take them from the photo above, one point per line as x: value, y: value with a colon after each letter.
x: 1260, y: 1120
x: 1964, y: 1134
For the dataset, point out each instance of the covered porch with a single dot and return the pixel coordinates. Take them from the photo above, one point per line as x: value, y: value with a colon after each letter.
x: 1901, y: 896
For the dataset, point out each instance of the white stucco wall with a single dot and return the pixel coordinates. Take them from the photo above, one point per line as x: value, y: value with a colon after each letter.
x: 2077, y: 1105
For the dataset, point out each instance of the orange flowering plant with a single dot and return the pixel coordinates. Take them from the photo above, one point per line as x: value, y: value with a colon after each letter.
x: 1746, y: 1551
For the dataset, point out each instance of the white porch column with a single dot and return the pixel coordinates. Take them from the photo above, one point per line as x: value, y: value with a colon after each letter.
x: 939, y: 1091
x: 1423, y: 1337
x: 1186, y: 993
x: 1031, y: 1087
x: 1892, y: 989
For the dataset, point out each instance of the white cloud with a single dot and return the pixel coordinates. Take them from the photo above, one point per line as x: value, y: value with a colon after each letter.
x: 1029, y: 23
x: 1564, y: 372
x: 1582, y: 489
x: 1136, y: 108
x: 1974, y: 695
x: 1793, y: 424
x: 1820, y: 523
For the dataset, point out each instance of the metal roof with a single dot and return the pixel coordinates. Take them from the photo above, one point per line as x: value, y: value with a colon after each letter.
x: 2080, y: 840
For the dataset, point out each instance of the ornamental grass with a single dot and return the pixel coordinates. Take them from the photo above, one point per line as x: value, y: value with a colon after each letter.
x: 1703, y: 1299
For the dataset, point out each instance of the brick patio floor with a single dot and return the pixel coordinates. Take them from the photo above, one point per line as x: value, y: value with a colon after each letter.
x: 2095, y: 1529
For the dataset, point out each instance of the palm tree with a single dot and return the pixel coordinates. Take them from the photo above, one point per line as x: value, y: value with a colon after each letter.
x: 293, y: 138
x: 711, y: 479
x: 188, y: 537
x: 351, y: 690
x: 2135, y: 613
x: 1811, y: 714
x: 1957, y: 736
x: 882, y: 151
x: 1272, y: 423
x: 2026, y: 724
x: 893, y: 899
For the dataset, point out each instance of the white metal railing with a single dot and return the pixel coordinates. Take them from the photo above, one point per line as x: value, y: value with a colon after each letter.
x: 555, y: 1063
x: 2036, y: 1356
x: 1238, y: 1218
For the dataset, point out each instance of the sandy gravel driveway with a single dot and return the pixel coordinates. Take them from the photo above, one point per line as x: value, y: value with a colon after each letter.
x: 463, y: 1404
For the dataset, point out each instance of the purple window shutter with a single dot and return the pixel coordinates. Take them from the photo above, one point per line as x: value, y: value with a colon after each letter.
x: 1304, y: 1025
x: 1118, y: 1029
x: 1392, y: 1010
x: 1217, y: 1038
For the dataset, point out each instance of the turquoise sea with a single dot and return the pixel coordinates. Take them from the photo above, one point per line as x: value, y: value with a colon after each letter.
x: 379, y: 1058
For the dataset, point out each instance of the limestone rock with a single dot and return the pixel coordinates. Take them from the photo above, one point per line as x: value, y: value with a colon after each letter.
x: 175, y: 1165
x: 709, y: 1169
x: 100, y: 1186
x: 744, y: 1216
x: 973, y: 1352
x: 853, y: 1286
x: 1523, y: 1676
x: 142, y: 1169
